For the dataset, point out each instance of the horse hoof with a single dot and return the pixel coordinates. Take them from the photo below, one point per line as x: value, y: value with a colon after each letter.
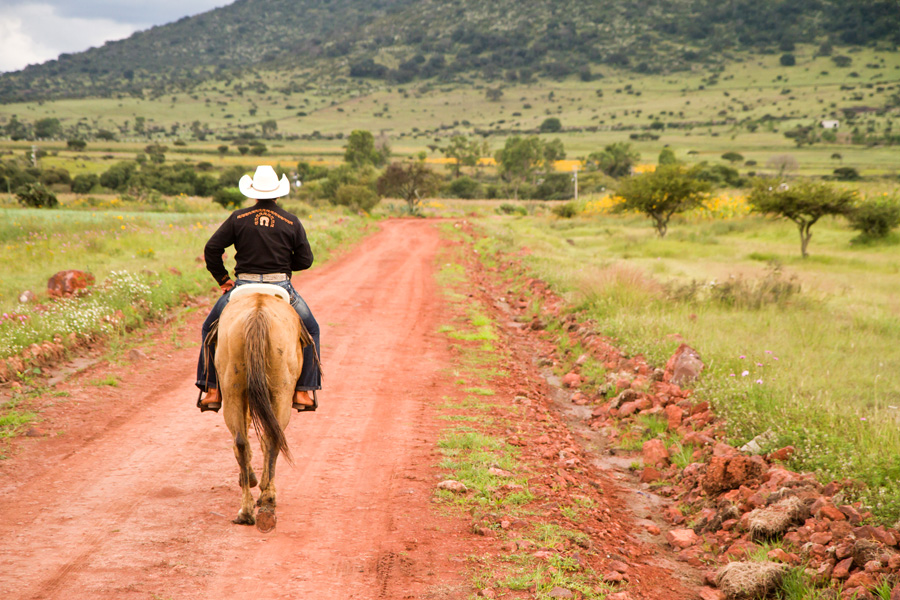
x: 265, y: 520
x: 243, y: 519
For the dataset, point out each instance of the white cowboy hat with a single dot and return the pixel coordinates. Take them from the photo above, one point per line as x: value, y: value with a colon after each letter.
x: 264, y: 184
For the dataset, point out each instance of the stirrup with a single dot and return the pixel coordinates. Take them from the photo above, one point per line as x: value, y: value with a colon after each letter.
x: 213, y: 406
x: 305, y: 407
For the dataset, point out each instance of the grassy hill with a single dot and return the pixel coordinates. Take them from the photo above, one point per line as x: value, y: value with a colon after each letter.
x: 405, y: 40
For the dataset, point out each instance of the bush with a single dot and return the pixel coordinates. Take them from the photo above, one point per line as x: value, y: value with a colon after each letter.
x: 464, y: 187
x: 875, y: 218
x: 555, y: 186
x: 76, y: 144
x: 508, y: 208
x: 84, y: 183
x: 356, y: 197
x: 847, y: 174
x: 551, y: 125
x: 36, y: 195
x: 566, y: 210
x: 228, y: 197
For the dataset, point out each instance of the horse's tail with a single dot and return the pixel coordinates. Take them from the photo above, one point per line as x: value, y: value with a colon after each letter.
x: 256, y: 335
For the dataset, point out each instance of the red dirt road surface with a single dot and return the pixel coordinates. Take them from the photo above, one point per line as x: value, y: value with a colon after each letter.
x: 128, y: 491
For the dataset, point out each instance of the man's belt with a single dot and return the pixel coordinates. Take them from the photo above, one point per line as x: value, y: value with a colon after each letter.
x: 262, y: 278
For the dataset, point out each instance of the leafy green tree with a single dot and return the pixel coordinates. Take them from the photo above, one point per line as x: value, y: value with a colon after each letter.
x: 47, y: 128
x: 553, y: 151
x: 788, y: 60
x: 223, y: 149
x: 732, y: 157
x: 616, y: 159
x: 16, y: 129
x: 464, y: 151
x: 84, y: 183
x: 668, y: 190
x: 258, y: 149
x: 269, y: 127
x: 76, y: 144
x: 667, y: 157
x: 36, y: 195
x: 493, y: 94
x: 356, y: 197
x: 518, y: 160
x: 410, y: 181
x: 551, y: 125
x: 230, y: 198
x: 803, y: 202
x: 360, y: 149
x: 105, y: 134
x: 243, y: 149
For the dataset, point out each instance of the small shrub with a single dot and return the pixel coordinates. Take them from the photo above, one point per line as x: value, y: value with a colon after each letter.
x: 228, y: 197
x: 36, y: 195
x: 875, y: 218
x: 356, y: 197
x: 847, y: 174
x: 566, y: 210
x: 464, y: 187
x: 507, y: 208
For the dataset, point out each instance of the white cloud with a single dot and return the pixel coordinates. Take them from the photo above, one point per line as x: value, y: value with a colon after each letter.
x: 32, y: 33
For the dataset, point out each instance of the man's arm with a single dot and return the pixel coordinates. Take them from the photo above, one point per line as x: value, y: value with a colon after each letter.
x: 212, y: 252
x: 302, y: 257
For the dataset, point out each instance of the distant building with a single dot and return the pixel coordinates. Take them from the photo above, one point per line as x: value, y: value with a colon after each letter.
x: 831, y: 124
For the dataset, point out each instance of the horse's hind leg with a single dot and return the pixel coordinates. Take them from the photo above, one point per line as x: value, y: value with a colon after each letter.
x: 265, y: 518
x: 242, y: 453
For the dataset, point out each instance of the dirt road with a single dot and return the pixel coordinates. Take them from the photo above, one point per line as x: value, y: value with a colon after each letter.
x: 130, y: 491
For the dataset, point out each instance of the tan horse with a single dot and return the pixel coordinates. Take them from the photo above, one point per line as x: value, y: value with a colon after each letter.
x: 258, y: 361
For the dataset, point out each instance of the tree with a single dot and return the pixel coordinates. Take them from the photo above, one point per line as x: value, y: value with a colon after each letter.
x: 493, y: 94
x: 616, y: 159
x: 229, y: 197
x: 876, y: 217
x: 360, y: 149
x: 667, y: 157
x: 84, y: 183
x: 668, y: 190
x: 518, y: 159
x: 223, y: 149
x: 16, y: 129
x: 552, y: 152
x: 464, y: 152
x: 76, y: 144
x: 732, y: 157
x: 551, y: 125
x: 269, y: 127
x: 410, y: 181
x: 788, y: 60
x: 36, y: 195
x: 47, y: 128
x: 804, y: 203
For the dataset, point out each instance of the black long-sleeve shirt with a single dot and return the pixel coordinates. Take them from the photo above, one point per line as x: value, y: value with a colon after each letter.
x: 266, y: 239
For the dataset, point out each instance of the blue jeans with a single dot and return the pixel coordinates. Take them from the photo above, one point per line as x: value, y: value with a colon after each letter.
x: 309, y: 374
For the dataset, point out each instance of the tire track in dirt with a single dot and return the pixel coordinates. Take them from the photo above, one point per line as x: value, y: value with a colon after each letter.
x: 136, y: 497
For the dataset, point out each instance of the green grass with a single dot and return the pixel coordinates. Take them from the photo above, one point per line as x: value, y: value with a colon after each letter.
x: 819, y: 366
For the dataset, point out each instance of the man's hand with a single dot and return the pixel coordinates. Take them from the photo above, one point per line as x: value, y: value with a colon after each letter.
x: 226, y: 287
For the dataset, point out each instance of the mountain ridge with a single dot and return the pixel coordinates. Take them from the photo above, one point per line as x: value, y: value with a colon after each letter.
x: 406, y: 40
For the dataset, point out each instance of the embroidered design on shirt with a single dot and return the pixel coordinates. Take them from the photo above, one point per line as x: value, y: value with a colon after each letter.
x: 263, y: 217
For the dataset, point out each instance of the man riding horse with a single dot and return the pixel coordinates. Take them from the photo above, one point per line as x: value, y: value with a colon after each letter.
x: 270, y: 243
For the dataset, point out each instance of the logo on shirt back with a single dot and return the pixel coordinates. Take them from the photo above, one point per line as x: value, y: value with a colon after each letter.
x: 263, y: 217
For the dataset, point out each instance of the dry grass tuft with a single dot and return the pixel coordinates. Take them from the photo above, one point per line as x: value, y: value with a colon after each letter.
x: 774, y: 521
x: 749, y: 579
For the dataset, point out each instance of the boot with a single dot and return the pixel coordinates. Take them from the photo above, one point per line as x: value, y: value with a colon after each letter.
x: 211, y: 401
x: 303, y: 402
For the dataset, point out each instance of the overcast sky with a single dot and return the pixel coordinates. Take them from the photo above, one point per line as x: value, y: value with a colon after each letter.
x: 34, y: 31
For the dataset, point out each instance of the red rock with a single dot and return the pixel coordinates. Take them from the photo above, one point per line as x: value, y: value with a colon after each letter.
x: 684, y: 366
x: 843, y: 550
x: 842, y: 569
x: 628, y: 409
x: 778, y: 555
x: 873, y: 566
x: 895, y: 593
x: 728, y: 473
x: 894, y: 562
x: 67, y: 283
x: 708, y: 593
x: 823, y: 538
x: 861, y: 579
x: 781, y: 455
x: 722, y: 449
x: 851, y: 513
x: 741, y: 549
x: 618, y: 566
x: 674, y: 415
x: 652, y: 529
x: 654, y: 453
x: 682, y: 538
x: 829, y: 511
x: 571, y: 380
x: 823, y: 573
x: 650, y: 474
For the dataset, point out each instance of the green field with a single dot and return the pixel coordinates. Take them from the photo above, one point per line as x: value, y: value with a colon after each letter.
x: 702, y: 114
x: 805, y: 348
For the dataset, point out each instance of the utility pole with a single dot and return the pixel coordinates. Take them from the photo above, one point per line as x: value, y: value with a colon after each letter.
x: 575, y: 179
x: 34, y: 156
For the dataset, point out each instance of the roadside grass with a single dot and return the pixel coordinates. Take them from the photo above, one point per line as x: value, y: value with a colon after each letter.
x: 497, y: 480
x: 12, y: 419
x: 806, y: 348
x: 143, y: 264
